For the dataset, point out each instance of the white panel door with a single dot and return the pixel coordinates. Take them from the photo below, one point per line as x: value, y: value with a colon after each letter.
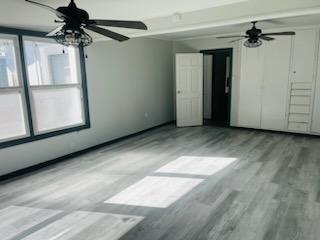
x: 275, y: 83
x: 304, y: 54
x: 207, y: 88
x: 250, y: 87
x: 189, y: 87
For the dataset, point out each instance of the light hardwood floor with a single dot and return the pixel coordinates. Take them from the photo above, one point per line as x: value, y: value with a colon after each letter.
x: 173, y: 184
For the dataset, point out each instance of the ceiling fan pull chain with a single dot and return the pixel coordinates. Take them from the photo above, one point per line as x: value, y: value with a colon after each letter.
x: 85, y: 52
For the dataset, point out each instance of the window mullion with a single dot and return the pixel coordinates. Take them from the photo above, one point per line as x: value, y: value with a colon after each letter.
x: 25, y: 84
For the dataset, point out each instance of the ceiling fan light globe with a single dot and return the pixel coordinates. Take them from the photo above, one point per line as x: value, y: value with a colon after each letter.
x: 252, y: 43
x: 73, y: 38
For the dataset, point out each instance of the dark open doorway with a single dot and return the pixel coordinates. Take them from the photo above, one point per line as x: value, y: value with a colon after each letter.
x: 217, y: 86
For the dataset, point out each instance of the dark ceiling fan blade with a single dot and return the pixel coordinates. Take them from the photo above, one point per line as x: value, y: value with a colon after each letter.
x: 267, y: 38
x: 236, y: 40
x: 54, y: 31
x: 117, y: 23
x: 279, y: 33
x: 51, y: 9
x: 238, y: 36
x: 107, y: 33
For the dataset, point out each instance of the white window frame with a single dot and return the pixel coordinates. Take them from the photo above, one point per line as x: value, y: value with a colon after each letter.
x: 18, y: 89
x: 53, y: 86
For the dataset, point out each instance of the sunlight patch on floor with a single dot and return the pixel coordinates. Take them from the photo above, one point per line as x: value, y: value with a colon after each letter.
x: 16, y: 219
x: 159, y: 192
x: 87, y: 225
x: 197, y: 165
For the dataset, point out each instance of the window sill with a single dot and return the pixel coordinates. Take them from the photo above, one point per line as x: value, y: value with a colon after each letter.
x: 29, y: 139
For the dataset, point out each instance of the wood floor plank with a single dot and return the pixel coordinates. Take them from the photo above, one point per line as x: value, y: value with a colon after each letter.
x: 86, y: 225
x: 15, y: 219
x: 269, y: 191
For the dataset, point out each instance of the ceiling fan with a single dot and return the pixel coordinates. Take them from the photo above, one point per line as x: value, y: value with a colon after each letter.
x: 75, y: 20
x: 255, y: 36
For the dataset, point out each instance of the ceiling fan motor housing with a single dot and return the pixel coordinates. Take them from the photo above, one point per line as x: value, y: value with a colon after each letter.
x: 72, y: 32
x: 74, y: 14
x: 254, y: 34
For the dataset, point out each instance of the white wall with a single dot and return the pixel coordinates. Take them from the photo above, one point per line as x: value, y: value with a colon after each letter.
x: 208, y: 43
x: 316, y: 109
x: 130, y: 89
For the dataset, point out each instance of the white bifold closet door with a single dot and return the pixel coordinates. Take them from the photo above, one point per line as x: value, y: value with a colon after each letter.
x: 264, y: 81
x: 275, y: 83
x: 250, y: 87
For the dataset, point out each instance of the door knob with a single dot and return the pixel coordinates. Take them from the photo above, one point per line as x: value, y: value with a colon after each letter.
x: 179, y: 92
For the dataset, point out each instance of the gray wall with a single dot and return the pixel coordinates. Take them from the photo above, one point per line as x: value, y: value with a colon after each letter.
x: 130, y: 89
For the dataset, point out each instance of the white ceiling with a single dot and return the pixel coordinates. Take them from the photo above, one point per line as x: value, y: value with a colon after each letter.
x: 265, y: 25
x: 198, y: 17
x: 140, y: 9
x: 21, y: 13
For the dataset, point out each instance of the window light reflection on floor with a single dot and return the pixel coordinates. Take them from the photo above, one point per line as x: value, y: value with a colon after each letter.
x: 87, y: 225
x: 159, y: 192
x: 196, y: 165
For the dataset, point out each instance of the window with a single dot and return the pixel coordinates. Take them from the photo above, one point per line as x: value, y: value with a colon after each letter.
x: 12, y: 108
x: 42, y: 89
x: 49, y: 63
x: 54, y: 85
x: 8, y: 62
